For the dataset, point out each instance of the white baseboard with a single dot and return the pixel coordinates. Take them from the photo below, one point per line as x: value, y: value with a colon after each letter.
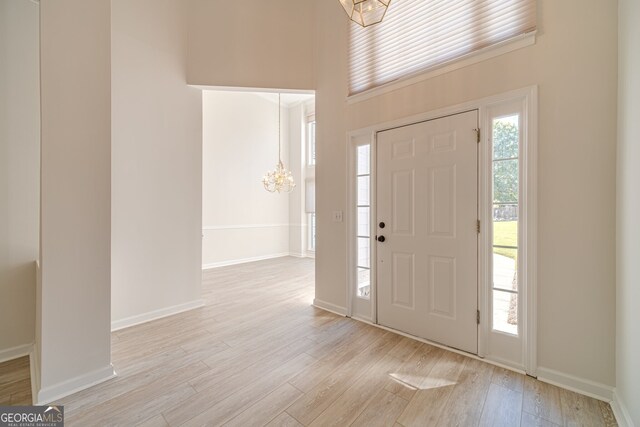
x: 335, y: 309
x: 73, y: 385
x: 243, y: 260
x: 155, y: 314
x: 620, y: 411
x: 15, y: 352
x: 579, y: 385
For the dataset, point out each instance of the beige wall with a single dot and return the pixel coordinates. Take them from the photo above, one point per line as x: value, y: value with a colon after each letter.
x: 156, y: 167
x: 19, y: 172
x: 75, y: 200
x: 574, y: 64
x: 628, y: 249
x: 251, y: 43
x: 240, y: 219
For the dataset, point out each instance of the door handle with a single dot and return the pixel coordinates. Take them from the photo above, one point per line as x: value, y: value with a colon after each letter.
x: 381, y: 239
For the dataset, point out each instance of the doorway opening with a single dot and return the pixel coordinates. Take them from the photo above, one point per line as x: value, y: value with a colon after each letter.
x: 245, y: 134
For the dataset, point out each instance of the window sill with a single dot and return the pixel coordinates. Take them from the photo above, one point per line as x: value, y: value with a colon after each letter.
x: 464, y: 61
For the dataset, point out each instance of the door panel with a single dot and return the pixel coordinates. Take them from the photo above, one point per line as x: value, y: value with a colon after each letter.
x: 427, y: 263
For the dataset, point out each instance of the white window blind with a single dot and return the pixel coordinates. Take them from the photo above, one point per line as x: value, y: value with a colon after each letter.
x: 419, y: 35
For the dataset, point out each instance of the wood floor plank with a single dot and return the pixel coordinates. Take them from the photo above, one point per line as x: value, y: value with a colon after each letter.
x: 235, y: 403
x: 405, y: 349
x: 542, y: 400
x: 410, y: 375
x: 314, y: 402
x: 284, y: 420
x: 15, y: 382
x: 464, y: 406
x: 382, y: 411
x: 607, y: 414
x: 579, y: 410
x: 229, y: 380
x: 426, y: 406
x: 344, y: 410
x: 258, y: 353
x: 14, y: 371
x: 21, y: 398
x: 529, y: 420
x: 141, y: 403
x: 5, y: 400
x: 341, y: 354
x: 157, y: 421
x: 265, y: 410
x: 502, y: 407
x: 247, y: 365
x: 508, y: 379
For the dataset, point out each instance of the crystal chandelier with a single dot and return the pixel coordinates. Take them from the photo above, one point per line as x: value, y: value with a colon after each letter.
x: 279, y: 180
x: 365, y: 12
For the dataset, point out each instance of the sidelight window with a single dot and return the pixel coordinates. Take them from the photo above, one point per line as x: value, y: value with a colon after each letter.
x: 363, y: 220
x: 505, y: 135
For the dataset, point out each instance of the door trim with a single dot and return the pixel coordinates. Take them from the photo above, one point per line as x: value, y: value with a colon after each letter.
x: 528, y: 96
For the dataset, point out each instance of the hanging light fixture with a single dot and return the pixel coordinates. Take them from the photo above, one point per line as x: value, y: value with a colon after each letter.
x: 365, y: 12
x: 279, y: 180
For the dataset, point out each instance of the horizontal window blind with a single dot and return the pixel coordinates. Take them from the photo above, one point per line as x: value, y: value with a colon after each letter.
x: 418, y: 35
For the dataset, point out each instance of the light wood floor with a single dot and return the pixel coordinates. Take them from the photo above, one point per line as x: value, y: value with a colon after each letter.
x: 15, y: 382
x: 259, y: 354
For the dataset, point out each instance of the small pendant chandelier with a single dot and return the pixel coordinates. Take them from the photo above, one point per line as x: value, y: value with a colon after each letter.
x: 365, y: 12
x: 279, y: 180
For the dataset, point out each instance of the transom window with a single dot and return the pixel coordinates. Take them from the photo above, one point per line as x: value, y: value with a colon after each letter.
x: 418, y: 35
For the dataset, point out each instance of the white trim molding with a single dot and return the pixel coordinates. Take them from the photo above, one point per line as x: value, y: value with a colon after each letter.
x: 620, y: 411
x: 116, y: 325
x: 579, y: 385
x: 15, y: 352
x: 73, y: 385
x: 244, y: 260
x: 332, y: 308
x: 520, y: 350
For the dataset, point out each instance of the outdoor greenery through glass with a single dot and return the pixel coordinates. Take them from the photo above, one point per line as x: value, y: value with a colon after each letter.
x: 506, y: 145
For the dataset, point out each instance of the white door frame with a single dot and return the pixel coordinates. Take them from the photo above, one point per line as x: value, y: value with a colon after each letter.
x: 367, y: 311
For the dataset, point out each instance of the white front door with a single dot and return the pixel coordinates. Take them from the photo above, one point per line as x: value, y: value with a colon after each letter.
x: 427, y: 210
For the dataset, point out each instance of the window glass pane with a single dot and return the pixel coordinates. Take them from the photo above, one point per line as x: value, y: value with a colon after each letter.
x: 505, y: 312
x: 364, y: 282
x: 363, y: 222
x: 363, y: 252
x: 505, y: 181
x: 505, y: 269
x: 363, y: 190
x: 505, y: 212
x: 363, y: 159
x: 505, y: 234
x: 505, y: 137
